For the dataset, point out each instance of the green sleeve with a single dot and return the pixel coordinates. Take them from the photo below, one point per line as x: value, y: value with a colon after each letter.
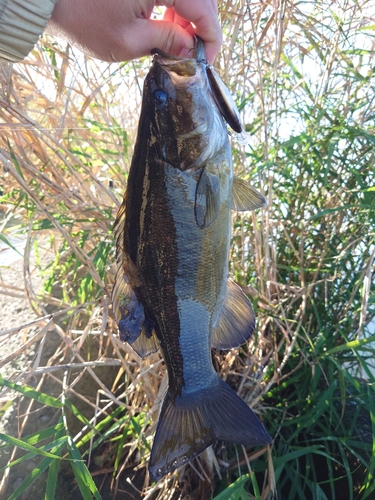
x: 21, y: 24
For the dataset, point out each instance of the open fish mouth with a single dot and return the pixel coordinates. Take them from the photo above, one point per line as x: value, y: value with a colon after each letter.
x: 187, y: 67
x: 182, y: 66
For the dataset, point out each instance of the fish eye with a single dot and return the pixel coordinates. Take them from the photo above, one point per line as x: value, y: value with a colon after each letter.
x: 160, y: 97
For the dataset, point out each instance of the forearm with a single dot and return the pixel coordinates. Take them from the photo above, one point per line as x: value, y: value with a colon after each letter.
x: 21, y: 24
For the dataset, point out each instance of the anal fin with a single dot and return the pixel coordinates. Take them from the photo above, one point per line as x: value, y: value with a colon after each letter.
x: 146, y: 343
x: 236, y: 320
x: 245, y: 197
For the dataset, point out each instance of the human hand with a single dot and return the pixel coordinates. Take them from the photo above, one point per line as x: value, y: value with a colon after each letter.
x: 120, y: 30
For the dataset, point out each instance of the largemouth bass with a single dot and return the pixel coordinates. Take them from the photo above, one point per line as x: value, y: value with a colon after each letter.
x: 173, y: 235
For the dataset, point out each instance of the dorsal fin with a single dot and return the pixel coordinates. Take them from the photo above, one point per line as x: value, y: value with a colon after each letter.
x: 207, y: 199
x: 245, y: 197
x: 236, y: 321
x: 129, y: 314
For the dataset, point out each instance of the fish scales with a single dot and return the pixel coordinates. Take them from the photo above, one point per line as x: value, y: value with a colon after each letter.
x: 173, y: 236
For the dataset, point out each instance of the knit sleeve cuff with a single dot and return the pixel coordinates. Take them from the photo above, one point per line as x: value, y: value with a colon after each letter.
x: 21, y: 24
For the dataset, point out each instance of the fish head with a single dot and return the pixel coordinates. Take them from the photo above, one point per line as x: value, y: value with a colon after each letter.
x: 186, y: 123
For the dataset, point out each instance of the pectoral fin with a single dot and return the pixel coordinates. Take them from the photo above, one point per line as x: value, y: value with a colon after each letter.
x: 207, y: 199
x: 236, y: 321
x: 245, y: 197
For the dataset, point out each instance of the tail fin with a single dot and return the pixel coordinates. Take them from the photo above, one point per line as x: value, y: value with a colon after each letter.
x: 190, y: 423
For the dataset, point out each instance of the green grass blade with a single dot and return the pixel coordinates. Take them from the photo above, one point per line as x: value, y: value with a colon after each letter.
x: 83, y: 477
x: 235, y: 490
x: 369, y: 483
x: 55, y: 443
x: 30, y: 392
x: 25, y: 446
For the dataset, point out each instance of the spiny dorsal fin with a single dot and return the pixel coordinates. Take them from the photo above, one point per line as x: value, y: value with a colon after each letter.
x: 236, y: 321
x: 207, y: 199
x: 245, y: 197
x: 118, y: 230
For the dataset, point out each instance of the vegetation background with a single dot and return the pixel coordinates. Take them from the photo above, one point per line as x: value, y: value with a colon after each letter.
x: 302, y: 74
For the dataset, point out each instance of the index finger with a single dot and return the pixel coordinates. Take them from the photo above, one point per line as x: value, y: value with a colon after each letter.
x: 203, y: 14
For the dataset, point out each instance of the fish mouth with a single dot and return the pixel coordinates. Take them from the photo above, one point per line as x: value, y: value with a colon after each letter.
x: 187, y: 67
x: 180, y: 66
x: 183, y: 66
